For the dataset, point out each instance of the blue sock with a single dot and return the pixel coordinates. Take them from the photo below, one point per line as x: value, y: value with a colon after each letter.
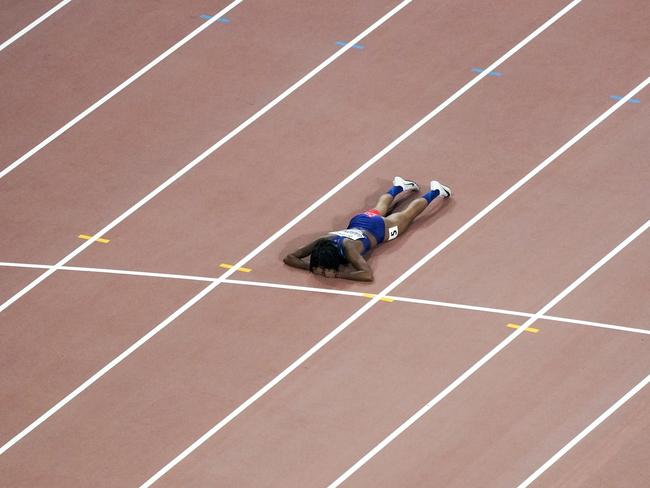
x: 395, y: 190
x: 431, y: 195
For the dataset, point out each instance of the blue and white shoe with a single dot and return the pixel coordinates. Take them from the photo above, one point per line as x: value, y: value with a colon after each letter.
x: 407, y: 185
x: 445, y: 192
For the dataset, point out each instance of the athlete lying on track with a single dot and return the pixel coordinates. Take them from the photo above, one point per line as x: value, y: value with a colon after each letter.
x: 365, y: 231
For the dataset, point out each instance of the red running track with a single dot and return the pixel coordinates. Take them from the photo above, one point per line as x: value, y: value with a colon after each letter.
x: 499, y: 425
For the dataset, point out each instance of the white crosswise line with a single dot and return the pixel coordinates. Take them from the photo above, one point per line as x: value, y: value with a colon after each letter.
x: 571, y: 444
x: 481, y: 362
x: 25, y: 265
x: 310, y: 289
x: 436, y: 303
x: 110, y: 271
x: 596, y: 324
x: 460, y: 306
x: 281, y: 286
x: 137, y: 273
x: 207, y: 153
x: 118, y: 89
x: 35, y: 23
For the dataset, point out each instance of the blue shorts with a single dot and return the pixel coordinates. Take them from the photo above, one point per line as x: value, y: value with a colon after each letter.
x: 370, y: 221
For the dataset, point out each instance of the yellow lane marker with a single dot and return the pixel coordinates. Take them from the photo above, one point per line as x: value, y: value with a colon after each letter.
x: 103, y: 241
x: 383, y: 299
x: 529, y: 329
x: 228, y: 266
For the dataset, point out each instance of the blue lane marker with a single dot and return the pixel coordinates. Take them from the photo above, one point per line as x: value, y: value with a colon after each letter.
x: 223, y: 20
x: 631, y: 100
x: 491, y: 73
x: 355, y: 46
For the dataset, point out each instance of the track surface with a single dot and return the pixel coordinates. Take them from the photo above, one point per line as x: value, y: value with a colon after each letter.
x: 16, y: 15
x: 494, y: 430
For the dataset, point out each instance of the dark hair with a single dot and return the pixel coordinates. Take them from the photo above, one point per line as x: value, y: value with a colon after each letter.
x: 326, y: 255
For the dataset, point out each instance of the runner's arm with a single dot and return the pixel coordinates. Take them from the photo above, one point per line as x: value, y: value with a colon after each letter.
x: 362, y: 270
x: 294, y: 259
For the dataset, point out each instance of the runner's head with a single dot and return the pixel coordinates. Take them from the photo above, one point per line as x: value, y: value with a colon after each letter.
x: 326, y: 255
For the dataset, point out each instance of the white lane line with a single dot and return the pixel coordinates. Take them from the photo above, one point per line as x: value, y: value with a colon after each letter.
x: 601, y: 325
x: 42, y: 18
x: 481, y: 362
x: 211, y: 150
x: 138, y: 74
x: 310, y: 289
x: 607, y: 413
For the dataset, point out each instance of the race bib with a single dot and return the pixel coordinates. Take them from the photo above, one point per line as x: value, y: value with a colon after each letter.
x: 354, y: 234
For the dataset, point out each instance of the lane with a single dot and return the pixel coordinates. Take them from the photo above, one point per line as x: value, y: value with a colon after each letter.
x: 79, y: 55
x: 110, y: 160
x: 123, y: 429
x: 19, y: 18
x: 619, y: 292
x: 62, y: 333
x: 328, y: 129
x: 514, y: 412
x: 614, y: 454
x: 13, y: 279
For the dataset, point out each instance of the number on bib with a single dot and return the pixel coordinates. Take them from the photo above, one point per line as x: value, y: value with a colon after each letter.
x: 392, y: 233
